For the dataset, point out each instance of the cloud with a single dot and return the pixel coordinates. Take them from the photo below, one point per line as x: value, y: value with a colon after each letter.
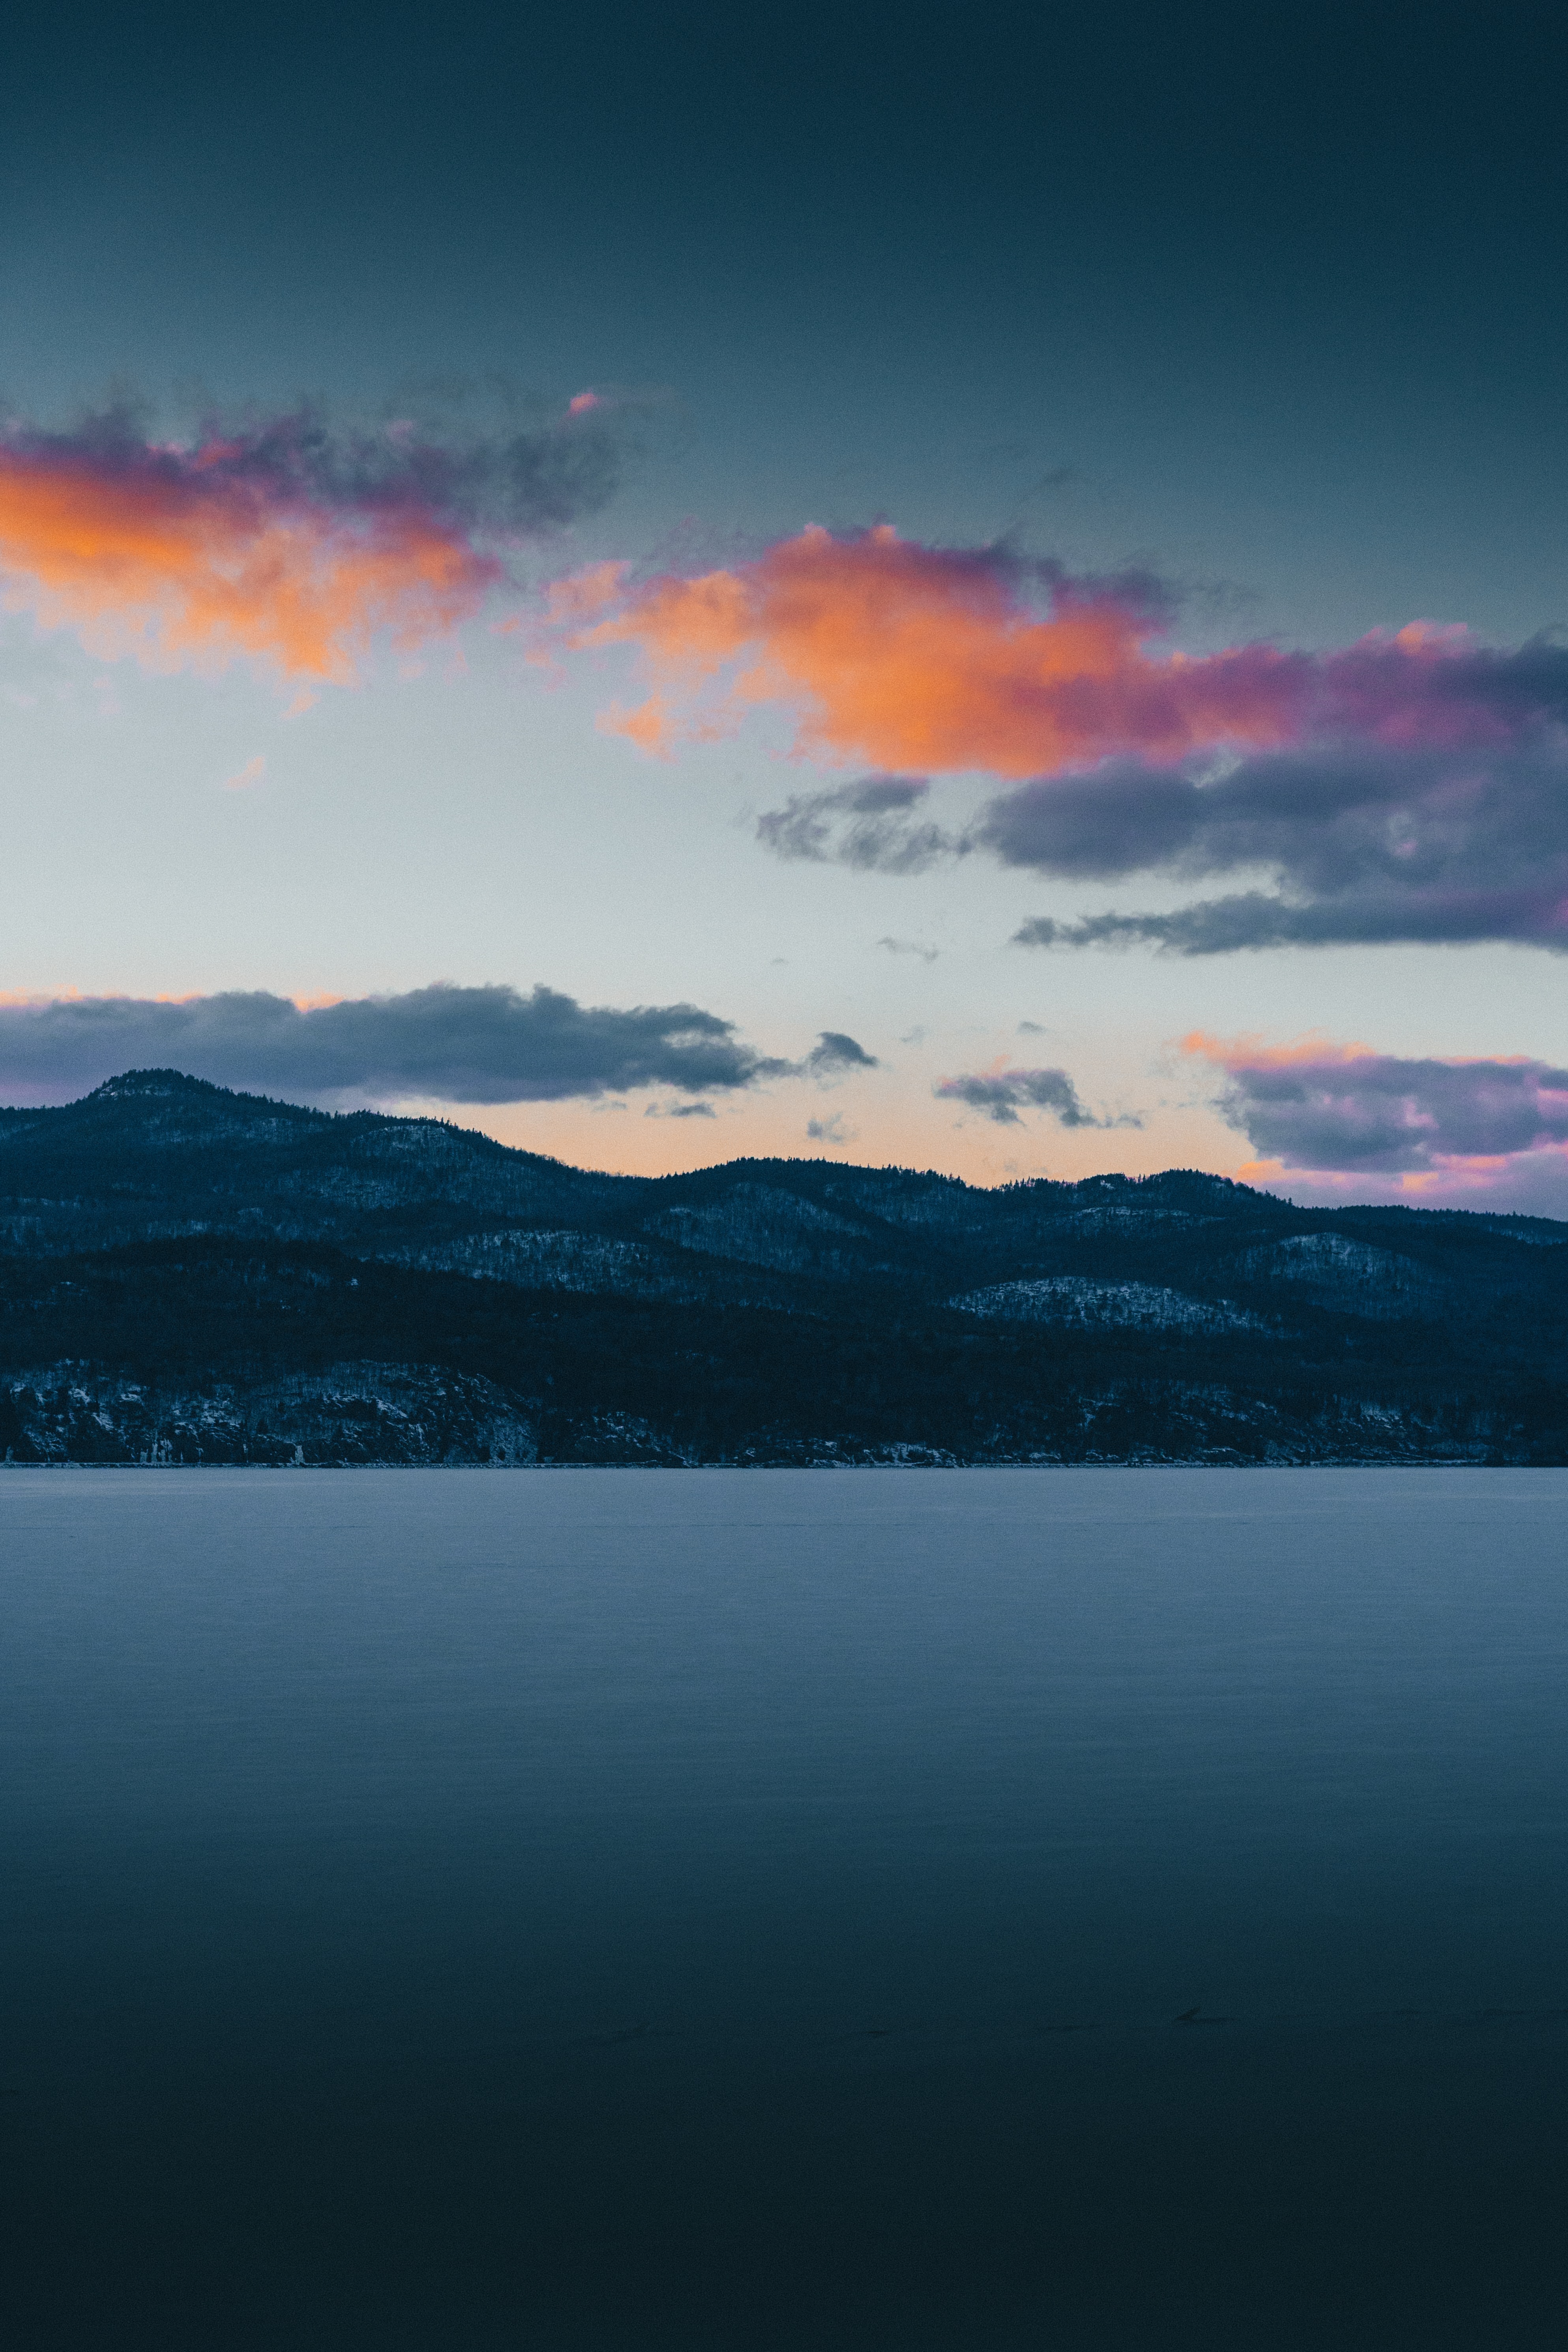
x: 908, y: 946
x: 680, y: 1111
x: 443, y: 1044
x: 282, y: 541
x: 930, y: 660
x: 869, y: 824
x: 252, y: 773
x: 831, y: 1131
x: 1364, y: 845
x: 835, y: 1051
x: 1322, y: 1105
x: 1001, y: 1094
x: 1468, y: 1131
x: 925, y: 658
x: 1412, y: 786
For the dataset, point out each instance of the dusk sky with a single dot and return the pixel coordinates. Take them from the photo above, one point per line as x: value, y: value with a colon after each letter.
x: 981, y: 589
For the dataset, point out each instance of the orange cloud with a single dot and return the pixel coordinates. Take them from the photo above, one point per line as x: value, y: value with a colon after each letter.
x: 907, y: 656
x: 179, y: 560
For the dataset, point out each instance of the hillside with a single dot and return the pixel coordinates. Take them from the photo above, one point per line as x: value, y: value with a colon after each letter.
x: 187, y: 1273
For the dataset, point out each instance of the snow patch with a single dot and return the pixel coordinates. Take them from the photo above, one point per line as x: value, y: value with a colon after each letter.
x: 1075, y: 1299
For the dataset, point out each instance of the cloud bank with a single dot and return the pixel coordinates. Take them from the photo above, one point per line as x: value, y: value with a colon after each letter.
x: 284, y: 541
x: 1413, y: 787
x: 1003, y: 1094
x: 1355, y: 1123
x: 1365, y: 845
x: 442, y: 1044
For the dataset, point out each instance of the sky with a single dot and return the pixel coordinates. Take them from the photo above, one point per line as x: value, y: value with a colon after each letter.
x: 975, y: 589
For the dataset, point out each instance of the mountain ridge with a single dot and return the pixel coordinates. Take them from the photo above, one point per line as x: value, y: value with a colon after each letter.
x: 169, y: 1247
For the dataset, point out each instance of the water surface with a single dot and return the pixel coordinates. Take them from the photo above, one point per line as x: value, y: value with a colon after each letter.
x: 715, y: 1910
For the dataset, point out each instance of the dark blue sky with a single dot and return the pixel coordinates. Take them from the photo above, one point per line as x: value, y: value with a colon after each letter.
x: 1299, y: 268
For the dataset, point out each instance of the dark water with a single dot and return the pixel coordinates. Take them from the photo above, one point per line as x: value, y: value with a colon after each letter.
x: 625, y: 1910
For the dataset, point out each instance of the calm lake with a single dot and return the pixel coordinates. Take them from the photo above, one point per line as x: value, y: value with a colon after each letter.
x: 584, y: 1912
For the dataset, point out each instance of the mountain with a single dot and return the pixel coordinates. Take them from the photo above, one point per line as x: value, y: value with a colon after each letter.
x: 191, y: 1275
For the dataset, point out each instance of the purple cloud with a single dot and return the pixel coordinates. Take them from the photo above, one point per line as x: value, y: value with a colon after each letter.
x: 1362, y: 844
x: 1476, y: 1132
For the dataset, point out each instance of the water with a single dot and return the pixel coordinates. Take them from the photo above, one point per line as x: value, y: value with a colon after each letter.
x: 590, y: 1912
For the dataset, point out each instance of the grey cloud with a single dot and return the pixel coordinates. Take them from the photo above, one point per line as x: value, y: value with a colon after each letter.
x: 1431, y: 806
x: 1116, y: 819
x: 1365, y: 846
x: 1001, y: 1094
x: 480, y: 474
x: 443, y: 1043
x: 869, y: 824
x: 1378, y: 1112
x: 680, y: 1111
x: 829, y: 1131
x: 908, y: 946
x: 1218, y: 926
x: 834, y: 1051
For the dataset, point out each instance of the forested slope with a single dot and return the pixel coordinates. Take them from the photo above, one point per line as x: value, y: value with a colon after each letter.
x: 190, y: 1274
